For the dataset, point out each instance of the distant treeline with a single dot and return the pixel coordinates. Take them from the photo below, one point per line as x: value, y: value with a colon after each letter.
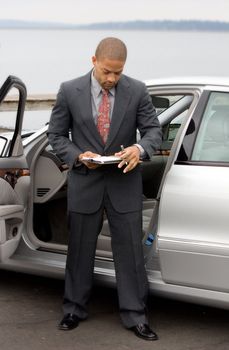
x: 128, y: 25
x: 163, y: 25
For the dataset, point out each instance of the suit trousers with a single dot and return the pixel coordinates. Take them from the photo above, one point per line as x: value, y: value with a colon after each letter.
x: 126, y: 241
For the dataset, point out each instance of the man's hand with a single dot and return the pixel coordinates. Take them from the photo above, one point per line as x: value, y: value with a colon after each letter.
x: 89, y: 165
x: 131, y: 158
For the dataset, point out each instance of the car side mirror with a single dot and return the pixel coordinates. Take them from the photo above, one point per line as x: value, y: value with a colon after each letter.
x: 160, y: 102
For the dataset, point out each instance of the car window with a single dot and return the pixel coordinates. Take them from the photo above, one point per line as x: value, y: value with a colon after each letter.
x: 169, y: 132
x: 175, y: 125
x: 212, y: 142
x: 171, y: 109
x: 163, y: 102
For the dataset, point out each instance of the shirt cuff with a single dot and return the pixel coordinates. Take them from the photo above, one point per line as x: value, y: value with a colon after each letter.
x: 142, y: 151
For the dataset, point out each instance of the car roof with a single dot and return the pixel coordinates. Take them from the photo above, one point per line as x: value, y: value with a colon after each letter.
x: 194, y: 80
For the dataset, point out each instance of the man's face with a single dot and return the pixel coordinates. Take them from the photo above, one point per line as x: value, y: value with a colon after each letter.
x: 107, y: 72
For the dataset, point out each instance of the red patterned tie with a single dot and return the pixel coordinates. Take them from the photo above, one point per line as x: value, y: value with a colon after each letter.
x: 103, y: 121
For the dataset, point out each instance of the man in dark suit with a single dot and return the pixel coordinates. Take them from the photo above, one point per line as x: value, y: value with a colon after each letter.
x: 103, y: 109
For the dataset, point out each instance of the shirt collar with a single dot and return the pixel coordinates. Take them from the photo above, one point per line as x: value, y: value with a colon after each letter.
x: 97, y: 87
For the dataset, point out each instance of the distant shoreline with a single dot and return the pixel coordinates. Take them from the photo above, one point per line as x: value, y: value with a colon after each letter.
x: 164, y: 25
x: 118, y: 29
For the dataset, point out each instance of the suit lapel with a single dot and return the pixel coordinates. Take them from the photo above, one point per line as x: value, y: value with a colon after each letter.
x: 122, y: 98
x: 85, y: 107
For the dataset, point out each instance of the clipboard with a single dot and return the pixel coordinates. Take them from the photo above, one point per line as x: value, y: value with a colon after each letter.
x: 102, y: 159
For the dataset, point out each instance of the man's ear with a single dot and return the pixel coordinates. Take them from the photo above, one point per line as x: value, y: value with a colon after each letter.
x: 94, y: 60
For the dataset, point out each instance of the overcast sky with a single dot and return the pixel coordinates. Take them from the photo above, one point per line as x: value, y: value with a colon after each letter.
x: 88, y: 11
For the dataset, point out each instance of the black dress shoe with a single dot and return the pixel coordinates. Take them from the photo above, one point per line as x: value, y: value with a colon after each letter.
x: 143, y: 331
x: 70, y: 321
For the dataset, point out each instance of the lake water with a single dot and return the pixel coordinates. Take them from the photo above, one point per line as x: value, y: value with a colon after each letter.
x: 43, y: 59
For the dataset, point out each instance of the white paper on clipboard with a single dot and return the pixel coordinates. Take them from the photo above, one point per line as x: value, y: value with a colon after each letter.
x: 102, y: 159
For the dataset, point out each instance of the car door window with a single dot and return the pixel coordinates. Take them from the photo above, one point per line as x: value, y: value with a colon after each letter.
x: 163, y: 102
x: 171, y: 110
x: 212, y: 143
x: 170, y: 131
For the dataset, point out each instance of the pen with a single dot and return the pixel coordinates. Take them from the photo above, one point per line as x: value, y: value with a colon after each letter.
x: 122, y: 148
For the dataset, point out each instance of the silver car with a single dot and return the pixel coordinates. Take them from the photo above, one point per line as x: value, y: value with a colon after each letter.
x: 185, y: 234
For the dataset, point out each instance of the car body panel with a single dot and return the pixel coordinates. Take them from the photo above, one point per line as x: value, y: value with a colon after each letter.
x: 193, y: 238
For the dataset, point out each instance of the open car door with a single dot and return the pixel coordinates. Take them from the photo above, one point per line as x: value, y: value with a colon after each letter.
x: 193, y: 239
x: 14, y: 174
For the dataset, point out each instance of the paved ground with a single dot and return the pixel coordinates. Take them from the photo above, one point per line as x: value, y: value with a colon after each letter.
x: 30, y: 308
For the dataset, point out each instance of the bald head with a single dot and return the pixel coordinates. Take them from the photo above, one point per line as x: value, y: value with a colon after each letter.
x: 112, y: 49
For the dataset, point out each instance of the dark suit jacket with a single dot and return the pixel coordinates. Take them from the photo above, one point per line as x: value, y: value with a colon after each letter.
x: 73, y: 111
